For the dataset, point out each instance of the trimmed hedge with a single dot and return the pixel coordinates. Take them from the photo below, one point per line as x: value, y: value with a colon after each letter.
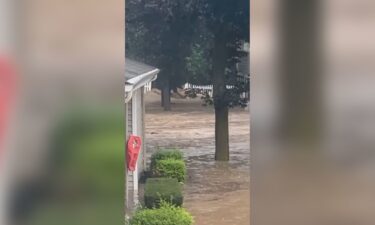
x: 162, y: 190
x: 165, y: 154
x: 163, y: 194
x: 170, y: 168
x: 165, y: 215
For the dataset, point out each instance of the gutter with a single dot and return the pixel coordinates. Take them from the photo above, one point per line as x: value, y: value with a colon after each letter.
x: 139, y: 81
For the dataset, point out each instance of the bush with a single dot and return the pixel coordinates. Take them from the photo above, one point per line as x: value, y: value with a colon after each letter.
x: 162, y: 190
x: 165, y: 215
x: 166, y: 154
x: 171, y: 168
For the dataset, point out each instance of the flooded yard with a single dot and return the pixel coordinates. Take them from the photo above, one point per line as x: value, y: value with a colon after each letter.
x: 215, y: 192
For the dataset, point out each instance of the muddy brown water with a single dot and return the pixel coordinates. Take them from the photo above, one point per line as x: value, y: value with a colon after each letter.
x: 216, y: 193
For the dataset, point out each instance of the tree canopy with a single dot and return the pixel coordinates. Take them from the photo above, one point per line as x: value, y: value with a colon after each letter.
x: 227, y: 21
x: 159, y: 33
x: 200, y: 41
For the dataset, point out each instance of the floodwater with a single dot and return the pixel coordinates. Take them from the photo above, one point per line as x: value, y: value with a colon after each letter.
x: 215, y: 192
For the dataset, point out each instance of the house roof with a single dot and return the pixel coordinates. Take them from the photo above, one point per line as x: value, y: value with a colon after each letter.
x: 137, y: 75
x: 134, y: 68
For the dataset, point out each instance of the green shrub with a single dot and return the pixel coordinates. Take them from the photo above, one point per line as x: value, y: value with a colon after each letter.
x: 166, y: 154
x: 162, y: 189
x: 165, y: 215
x: 171, y: 168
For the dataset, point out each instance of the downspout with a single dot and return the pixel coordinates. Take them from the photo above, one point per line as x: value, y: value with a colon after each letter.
x: 128, y: 96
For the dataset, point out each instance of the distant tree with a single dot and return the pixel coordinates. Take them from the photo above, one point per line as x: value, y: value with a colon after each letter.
x: 199, y: 38
x: 199, y: 62
x: 159, y: 32
x: 216, y: 52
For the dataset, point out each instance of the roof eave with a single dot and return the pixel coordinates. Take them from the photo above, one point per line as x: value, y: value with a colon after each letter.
x: 139, y: 81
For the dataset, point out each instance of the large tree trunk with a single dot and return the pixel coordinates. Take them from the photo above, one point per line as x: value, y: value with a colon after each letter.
x: 161, y: 98
x: 166, y: 96
x: 221, y: 134
x: 221, y: 107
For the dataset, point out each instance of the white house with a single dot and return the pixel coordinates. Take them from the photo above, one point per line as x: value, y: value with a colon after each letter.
x: 138, y: 78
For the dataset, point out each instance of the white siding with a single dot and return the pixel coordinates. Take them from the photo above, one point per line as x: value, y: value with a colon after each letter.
x: 135, y: 125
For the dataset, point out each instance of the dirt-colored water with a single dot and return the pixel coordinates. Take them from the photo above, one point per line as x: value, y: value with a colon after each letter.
x: 216, y: 193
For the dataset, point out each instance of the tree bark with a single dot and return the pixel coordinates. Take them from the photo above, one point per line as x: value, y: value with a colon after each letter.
x: 161, y: 98
x: 166, y: 96
x: 221, y: 106
x: 221, y: 134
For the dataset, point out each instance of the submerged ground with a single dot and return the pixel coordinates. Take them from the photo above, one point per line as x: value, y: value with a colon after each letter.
x: 215, y: 193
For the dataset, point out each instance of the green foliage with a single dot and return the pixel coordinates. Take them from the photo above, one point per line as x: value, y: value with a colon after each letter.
x: 218, y: 52
x: 166, y: 154
x: 86, y: 141
x: 168, y: 163
x: 158, y: 190
x: 182, y: 39
x: 199, y: 65
x: 86, y: 173
x: 159, y: 33
x: 165, y: 215
x: 171, y: 168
